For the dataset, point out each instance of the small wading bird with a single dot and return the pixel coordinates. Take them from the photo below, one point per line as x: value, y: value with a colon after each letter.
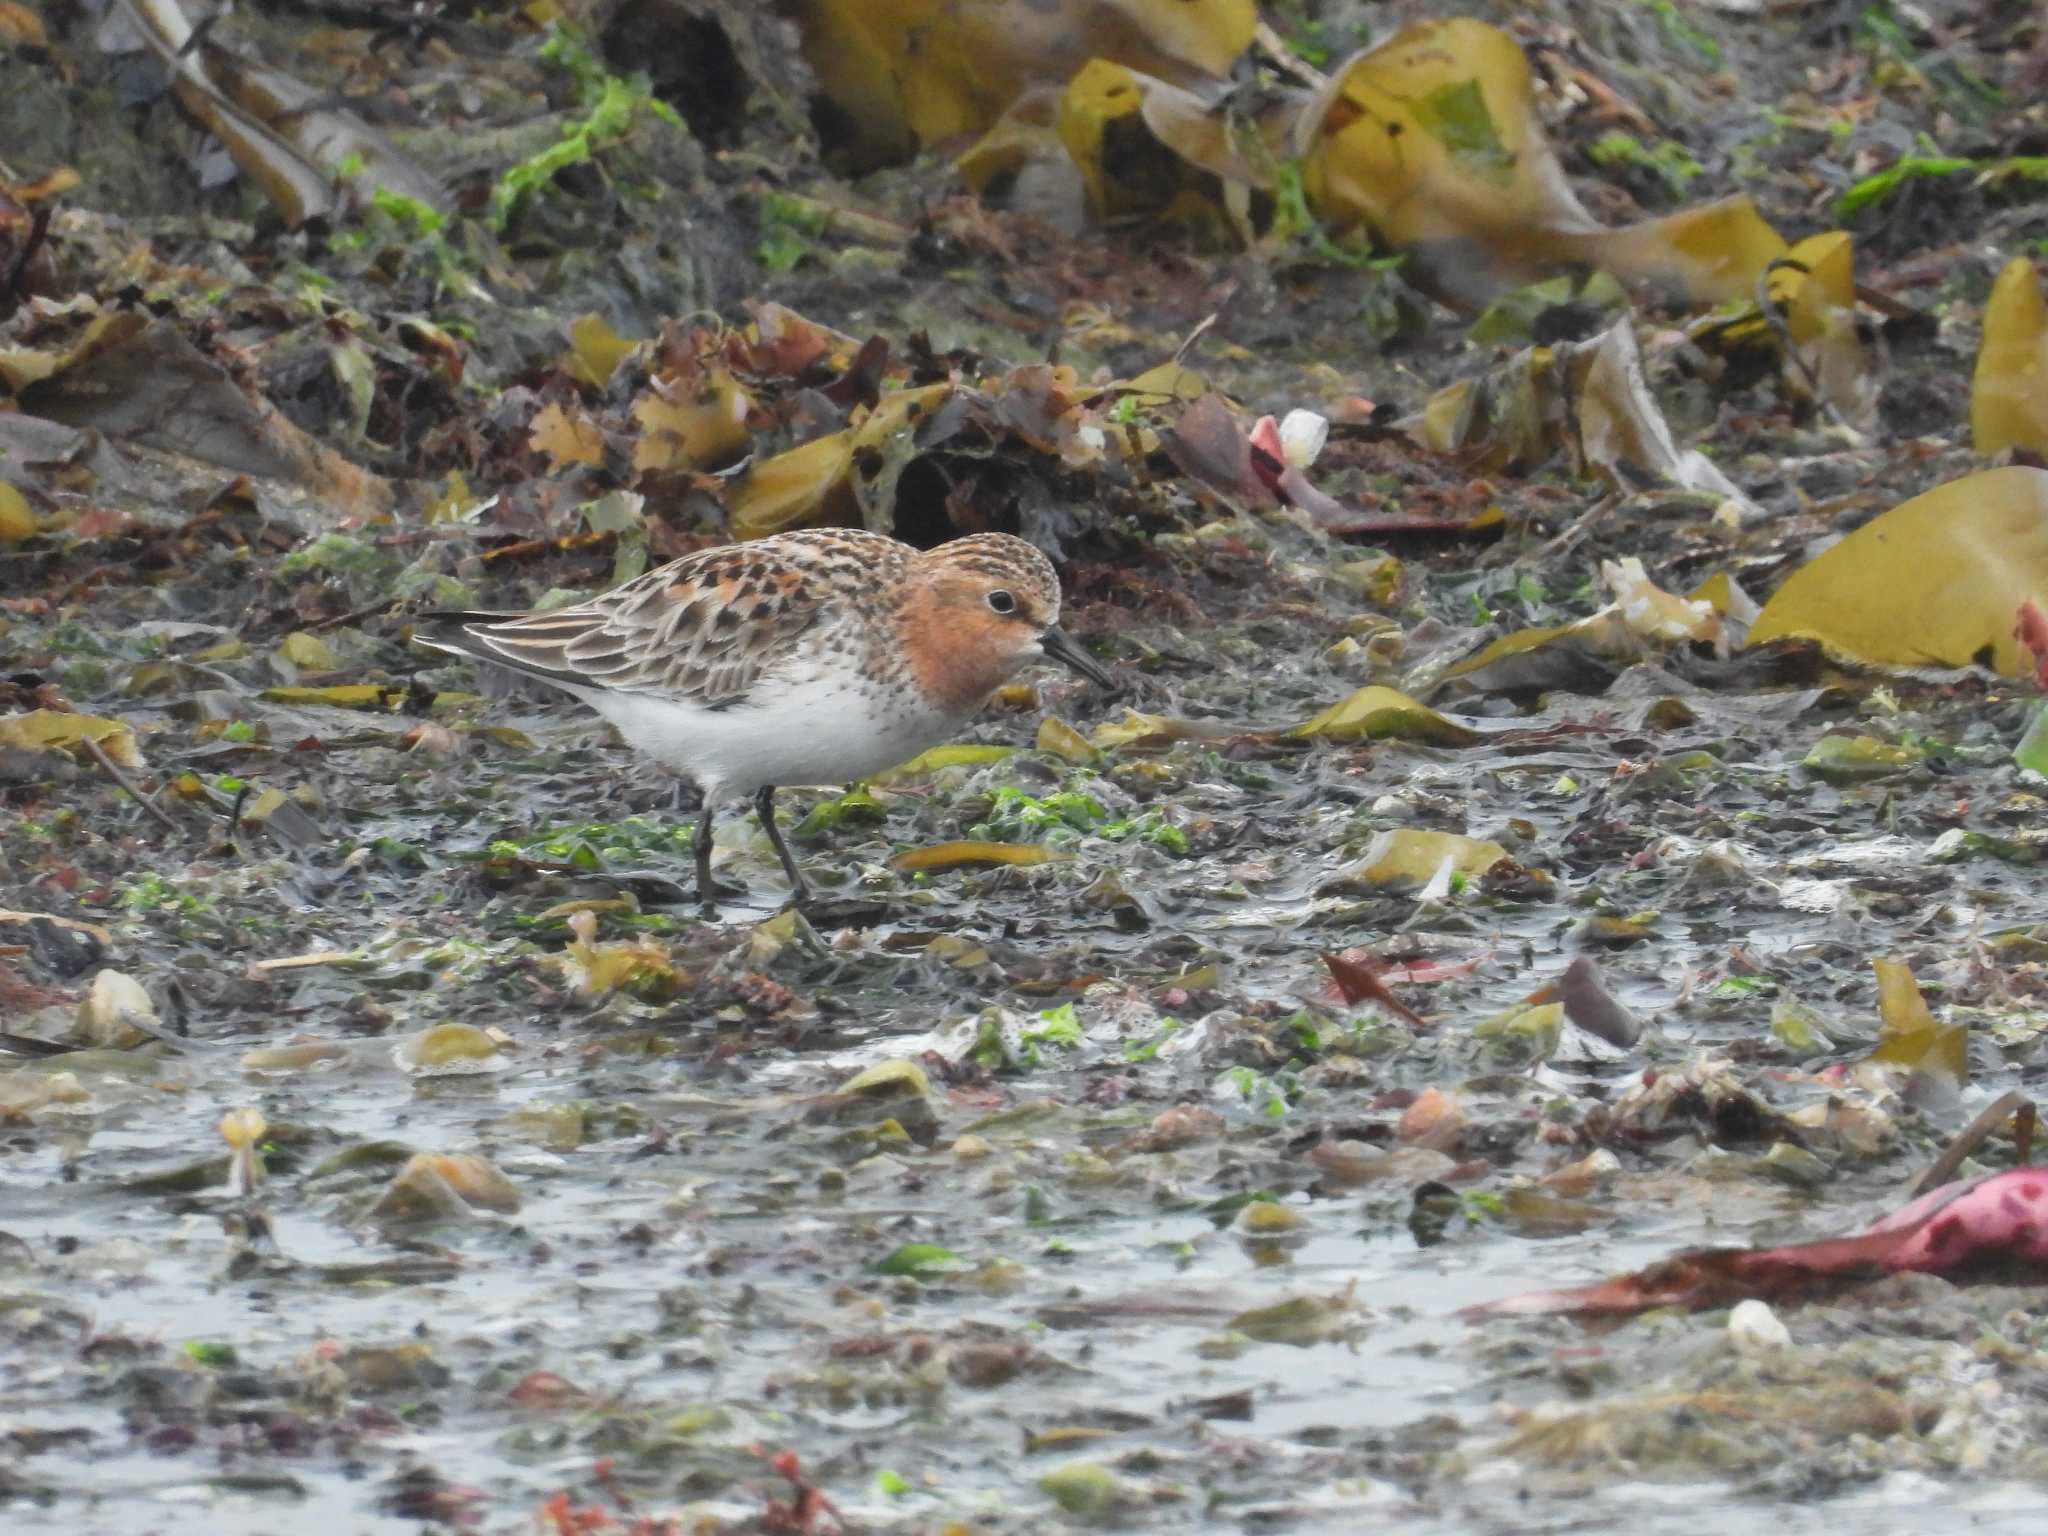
x: 816, y: 657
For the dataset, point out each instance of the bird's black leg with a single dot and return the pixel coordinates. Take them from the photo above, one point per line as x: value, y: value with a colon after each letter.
x: 700, y: 845
x: 764, y: 807
x: 708, y: 888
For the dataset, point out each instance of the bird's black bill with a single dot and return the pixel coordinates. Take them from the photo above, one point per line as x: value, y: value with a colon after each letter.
x: 1061, y: 649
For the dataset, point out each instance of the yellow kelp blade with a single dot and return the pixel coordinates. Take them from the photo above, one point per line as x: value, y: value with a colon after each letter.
x: 1027, y: 131
x: 1936, y: 581
x: 1706, y: 255
x: 1376, y: 712
x: 1433, y: 140
x: 910, y: 73
x: 954, y: 855
x: 1828, y: 282
x: 2009, y: 394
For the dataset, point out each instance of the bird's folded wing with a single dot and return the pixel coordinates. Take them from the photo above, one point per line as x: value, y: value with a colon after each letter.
x: 704, y: 635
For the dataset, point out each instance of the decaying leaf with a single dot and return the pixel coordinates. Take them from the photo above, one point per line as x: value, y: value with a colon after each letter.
x: 43, y: 730
x: 1911, y: 1036
x: 1414, y: 856
x: 1300, y: 1320
x: 781, y: 341
x: 1858, y: 759
x: 442, y: 1186
x: 17, y: 518
x: 1062, y: 740
x: 641, y: 967
x: 116, y: 1014
x: 1211, y: 446
x: 1641, y: 614
x: 377, y: 696
x: 933, y: 759
x: 449, y: 1050
x: 1651, y: 613
x: 595, y: 350
x: 1815, y: 282
x: 564, y: 438
x: 21, y: 367
x: 294, y: 1056
x: 691, y: 425
x: 1588, y: 397
x: 21, y: 27
x: 1359, y: 982
x: 286, y: 137
x: 1618, y: 430
x: 1145, y: 147
x: 816, y: 482
x: 893, y: 1078
x: 1157, y: 730
x: 138, y: 377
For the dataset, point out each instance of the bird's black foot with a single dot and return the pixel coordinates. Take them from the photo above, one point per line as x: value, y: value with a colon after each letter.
x: 711, y: 892
x: 654, y: 888
x: 840, y: 911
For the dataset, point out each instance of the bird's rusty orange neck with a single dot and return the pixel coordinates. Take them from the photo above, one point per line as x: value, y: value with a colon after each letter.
x: 958, y: 652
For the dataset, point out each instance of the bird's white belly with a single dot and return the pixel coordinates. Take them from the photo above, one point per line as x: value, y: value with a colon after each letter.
x: 807, y: 730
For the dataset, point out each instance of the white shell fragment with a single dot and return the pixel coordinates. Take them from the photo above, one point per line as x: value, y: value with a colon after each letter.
x: 1754, y: 1329
x: 1302, y: 435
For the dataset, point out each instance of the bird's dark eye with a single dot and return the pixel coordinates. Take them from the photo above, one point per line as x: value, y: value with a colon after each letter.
x: 1002, y: 602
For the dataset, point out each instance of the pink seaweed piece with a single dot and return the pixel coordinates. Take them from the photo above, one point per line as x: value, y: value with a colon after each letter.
x: 1998, y: 1219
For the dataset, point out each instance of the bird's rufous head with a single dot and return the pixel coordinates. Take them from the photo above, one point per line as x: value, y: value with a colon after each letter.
x: 984, y: 608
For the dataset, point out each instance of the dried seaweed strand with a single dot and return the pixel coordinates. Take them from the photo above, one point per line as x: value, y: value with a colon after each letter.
x: 121, y: 778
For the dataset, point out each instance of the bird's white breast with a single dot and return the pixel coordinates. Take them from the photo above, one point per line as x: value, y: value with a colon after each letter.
x: 819, y: 725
